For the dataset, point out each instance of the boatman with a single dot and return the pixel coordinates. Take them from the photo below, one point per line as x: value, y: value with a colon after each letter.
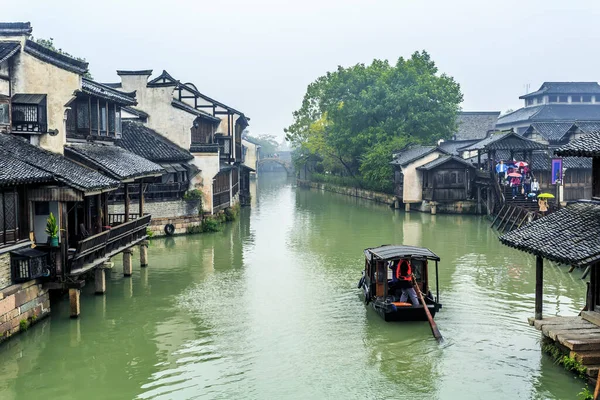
x: 404, y: 276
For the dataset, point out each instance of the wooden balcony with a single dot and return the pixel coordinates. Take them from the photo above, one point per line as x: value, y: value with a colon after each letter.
x: 99, y: 248
x: 153, y: 192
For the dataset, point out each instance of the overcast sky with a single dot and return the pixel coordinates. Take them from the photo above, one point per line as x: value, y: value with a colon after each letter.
x: 258, y: 56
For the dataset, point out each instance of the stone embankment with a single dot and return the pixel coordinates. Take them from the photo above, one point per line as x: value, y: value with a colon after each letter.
x: 350, y: 191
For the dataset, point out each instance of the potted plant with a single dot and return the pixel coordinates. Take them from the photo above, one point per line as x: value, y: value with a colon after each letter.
x: 52, y: 230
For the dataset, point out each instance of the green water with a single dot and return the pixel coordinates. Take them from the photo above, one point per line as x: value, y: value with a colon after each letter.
x: 268, y: 309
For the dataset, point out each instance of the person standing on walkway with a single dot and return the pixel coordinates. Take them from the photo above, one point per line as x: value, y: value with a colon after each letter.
x: 543, y: 204
x: 514, y: 183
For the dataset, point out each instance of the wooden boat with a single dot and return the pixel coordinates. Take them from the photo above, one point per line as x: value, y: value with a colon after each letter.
x: 382, y: 293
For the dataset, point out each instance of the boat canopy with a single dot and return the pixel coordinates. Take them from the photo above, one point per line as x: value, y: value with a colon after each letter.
x: 392, y: 252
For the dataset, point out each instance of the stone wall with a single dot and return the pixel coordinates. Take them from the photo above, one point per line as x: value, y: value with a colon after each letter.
x: 456, y: 207
x: 160, y: 209
x: 181, y: 224
x: 350, y: 191
x: 22, y: 305
x: 5, y: 274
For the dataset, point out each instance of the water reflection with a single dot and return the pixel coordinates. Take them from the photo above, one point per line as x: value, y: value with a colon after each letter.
x: 268, y: 308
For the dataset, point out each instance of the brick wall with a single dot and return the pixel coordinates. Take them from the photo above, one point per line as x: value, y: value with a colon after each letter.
x: 160, y: 209
x: 28, y: 302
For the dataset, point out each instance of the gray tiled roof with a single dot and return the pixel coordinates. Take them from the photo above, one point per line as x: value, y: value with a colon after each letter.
x: 90, y: 87
x: 15, y: 172
x: 506, y: 141
x: 570, y: 235
x: 586, y: 146
x: 113, y: 160
x: 63, y: 170
x: 565, y: 88
x: 588, y: 127
x: 141, y: 115
x: 15, y: 28
x: 8, y: 49
x: 551, y: 131
x: 442, y: 160
x: 409, y: 155
x: 55, y: 58
x: 148, y: 143
x: 475, y: 125
x: 552, y: 112
x: 452, y: 146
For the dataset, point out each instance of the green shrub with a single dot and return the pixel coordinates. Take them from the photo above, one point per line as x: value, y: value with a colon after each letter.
x: 232, y: 213
x: 23, y: 325
x: 585, y: 394
x: 149, y: 232
x: 210, y: 225
x: 194, y: 229
x: 193, y: 194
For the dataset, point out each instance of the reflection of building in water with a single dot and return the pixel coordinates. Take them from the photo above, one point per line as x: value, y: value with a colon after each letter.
x: 412, y: 230
x: 253, y: 193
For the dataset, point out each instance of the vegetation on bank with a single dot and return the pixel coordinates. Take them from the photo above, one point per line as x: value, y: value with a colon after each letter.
x: 568, y: 363
x: 353, y: 119
x: 214, y: 223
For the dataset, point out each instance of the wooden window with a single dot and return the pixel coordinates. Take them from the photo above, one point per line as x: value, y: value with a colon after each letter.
x: 575, y: 99
x: 552, y: 99
x: 453, y: 178
x: 4, y: 113
x: 461, y: 177
x: 586, y: 99
x: 118, y: 123
x: 103, y: 118
x: 94, y: 115
x: 529, y: 102
x: 111, y: 120
x: 563, y: 99
x: 9, y: 210
x: 83, y: 115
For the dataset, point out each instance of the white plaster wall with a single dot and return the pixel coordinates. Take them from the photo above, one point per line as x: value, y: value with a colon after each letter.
x: 412, y: 191
x: 31, y: 75
x: 208, y: 163
x: 171, y: 122
x: 251, y: 159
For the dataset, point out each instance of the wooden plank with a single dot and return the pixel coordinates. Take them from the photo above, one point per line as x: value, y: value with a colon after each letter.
x: 591, y: 357
x: 582, y: 344
x: 567, y: 333
x: 550, y: 328
x: 555, y: 321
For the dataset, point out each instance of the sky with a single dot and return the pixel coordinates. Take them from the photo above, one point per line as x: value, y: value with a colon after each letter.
x: 258, y: 56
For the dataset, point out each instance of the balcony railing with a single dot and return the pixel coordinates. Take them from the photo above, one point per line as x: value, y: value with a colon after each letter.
x: 154, y: 192
x: 221, y: 201
x: 98, y: 248
x: 116, y: 219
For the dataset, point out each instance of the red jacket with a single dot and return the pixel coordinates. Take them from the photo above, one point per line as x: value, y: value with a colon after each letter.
x: 404, y: 271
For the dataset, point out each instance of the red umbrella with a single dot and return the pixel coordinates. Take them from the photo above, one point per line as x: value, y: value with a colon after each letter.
x: 515, y: 175
x: 520, y: 164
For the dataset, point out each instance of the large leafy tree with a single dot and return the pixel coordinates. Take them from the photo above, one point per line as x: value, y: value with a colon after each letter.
x: 355, y: 117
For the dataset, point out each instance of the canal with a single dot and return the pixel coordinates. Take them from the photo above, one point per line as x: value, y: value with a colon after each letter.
x: 268, y: 309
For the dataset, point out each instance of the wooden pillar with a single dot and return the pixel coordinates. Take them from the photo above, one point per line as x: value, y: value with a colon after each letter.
x: 144, y: 253
x: 99, y: 209
x: 74, y: 302
x: 100, y: 281
x: 478, y: 159
x: 539, y: 286
x: 127, y: 266
x: 126, y: 202
x: 141, y: 207
x: 105, y: 209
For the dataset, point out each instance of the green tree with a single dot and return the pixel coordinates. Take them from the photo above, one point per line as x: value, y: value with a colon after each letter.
x: 355, y: 117
x: 49, y: 44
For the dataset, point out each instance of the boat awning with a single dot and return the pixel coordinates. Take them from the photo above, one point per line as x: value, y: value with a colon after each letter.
x: 392, y: 252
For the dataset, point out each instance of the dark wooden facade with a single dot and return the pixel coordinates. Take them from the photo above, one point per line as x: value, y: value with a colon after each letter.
x: 448, y: 181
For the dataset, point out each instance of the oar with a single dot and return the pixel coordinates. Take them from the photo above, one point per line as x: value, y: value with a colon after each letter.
x: 434, y: 329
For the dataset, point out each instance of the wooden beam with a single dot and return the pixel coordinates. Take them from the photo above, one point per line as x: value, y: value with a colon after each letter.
x: 98, y: 213
x: 539, y: 287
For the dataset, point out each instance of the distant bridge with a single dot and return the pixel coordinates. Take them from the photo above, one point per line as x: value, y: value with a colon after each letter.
x: 287, y: 165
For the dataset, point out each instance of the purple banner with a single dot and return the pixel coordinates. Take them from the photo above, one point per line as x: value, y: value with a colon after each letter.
x: 557, y: 170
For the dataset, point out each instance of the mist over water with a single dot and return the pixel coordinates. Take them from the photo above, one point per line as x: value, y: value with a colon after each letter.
x: 268, y: 308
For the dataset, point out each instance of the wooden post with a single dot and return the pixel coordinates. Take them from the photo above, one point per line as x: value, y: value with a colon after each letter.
x: 144, y: 253
x: 539, y: 286
x: 127, y: 266
x: 74, y: 301
x: 479, y: 199
x: 105, y: 209
x: 100, y: 281
x: 141, y: 199
x: 99, y: 209
x: 126, y: 202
